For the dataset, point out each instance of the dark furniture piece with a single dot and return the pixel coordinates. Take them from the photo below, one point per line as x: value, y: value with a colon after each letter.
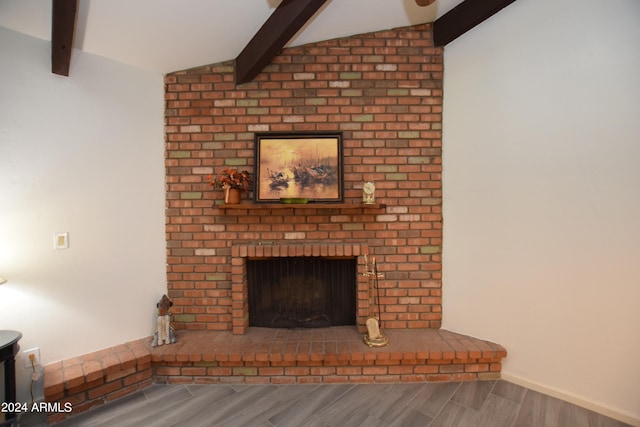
x: 8, y: 350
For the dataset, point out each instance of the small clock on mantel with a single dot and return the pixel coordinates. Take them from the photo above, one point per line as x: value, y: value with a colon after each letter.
x: 368, y: 193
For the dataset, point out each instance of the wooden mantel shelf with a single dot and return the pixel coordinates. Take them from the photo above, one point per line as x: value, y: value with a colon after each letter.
x: 253, y: 206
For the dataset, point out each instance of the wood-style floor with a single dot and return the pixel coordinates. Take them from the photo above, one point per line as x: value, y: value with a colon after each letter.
x: 480, y: 403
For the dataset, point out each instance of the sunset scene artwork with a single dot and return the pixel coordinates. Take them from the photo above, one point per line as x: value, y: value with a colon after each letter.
x: 306, y: 167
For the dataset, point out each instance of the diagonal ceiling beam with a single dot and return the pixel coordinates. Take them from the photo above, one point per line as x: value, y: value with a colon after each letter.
x: 283, y: 24
x: 464, y: 17
x: 63, y: 25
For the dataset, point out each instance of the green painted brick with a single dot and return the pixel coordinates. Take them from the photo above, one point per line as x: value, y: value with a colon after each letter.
x: 180, y: 154
x: 436, y: 126
x: 271, y: 68
x: 351, y: 92
x: 206, y: 364
x: 430, y: 249
x: 216, y: 277
x: 247, y: 103
x: 235, y: 162
x: 224, y: 69
x: 363, y: 118
x: 212, y: 146
x: 258, y: 111
x: 258, y: 94
x: 316, y: 101
x: 409, y: 134
x: 350, y: 75
x: 191, y: 195
x: 398, y: 92
x: 386, y: 168
x: 419, y: 160
x: 224, y: 136
x: 245, y: 371
x: 184, y: 318
x: 396, y: 176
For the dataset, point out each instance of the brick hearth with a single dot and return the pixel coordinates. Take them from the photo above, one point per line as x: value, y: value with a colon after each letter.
x: 277, y: 356
x: 331, y: 355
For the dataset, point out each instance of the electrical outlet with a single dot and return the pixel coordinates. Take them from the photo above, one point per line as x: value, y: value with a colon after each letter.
x: 36, y: 357
x: 61, y: 240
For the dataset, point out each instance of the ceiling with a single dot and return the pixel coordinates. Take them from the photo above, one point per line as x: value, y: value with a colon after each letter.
x: 172, y: 35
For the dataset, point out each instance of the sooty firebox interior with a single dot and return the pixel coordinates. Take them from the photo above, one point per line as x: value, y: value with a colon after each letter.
x: 301, y: 292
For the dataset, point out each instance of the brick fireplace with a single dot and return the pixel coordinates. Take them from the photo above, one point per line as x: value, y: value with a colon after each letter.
x: 383, y: 91
x: 242, y: 253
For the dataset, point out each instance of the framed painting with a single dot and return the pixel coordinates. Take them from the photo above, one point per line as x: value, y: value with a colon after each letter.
x: 299, y: 166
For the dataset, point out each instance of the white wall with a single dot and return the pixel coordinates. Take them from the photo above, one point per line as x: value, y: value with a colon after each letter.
x: 542, y: 196
x: 82, y: 154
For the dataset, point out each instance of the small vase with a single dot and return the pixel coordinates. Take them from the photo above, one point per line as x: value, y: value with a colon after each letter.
x: 232, y: 196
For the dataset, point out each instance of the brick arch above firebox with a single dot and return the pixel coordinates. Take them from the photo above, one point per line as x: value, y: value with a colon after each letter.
x: 293, y: 249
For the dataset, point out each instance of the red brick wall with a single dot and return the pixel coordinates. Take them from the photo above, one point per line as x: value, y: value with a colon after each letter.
x: 384, y: 92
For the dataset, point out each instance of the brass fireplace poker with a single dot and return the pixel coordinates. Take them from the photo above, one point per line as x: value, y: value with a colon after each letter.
x: 374, y: 336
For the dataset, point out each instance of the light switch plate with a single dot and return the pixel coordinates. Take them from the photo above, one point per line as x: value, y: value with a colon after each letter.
x: 60, y: 240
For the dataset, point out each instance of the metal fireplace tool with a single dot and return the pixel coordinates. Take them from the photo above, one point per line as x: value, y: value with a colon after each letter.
x: 374, y: 336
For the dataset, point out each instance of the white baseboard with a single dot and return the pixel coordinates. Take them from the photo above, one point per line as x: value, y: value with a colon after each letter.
x: 572, y: 398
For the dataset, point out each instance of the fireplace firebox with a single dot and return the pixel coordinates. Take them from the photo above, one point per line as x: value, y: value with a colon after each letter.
x: 302, y: 292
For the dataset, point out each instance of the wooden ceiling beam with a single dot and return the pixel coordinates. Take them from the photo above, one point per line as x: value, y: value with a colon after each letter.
x: 464, y: 17
x: 63, y: 25
x: 284, y: 23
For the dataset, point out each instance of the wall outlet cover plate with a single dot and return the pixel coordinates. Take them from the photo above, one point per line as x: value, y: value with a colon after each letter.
x: 60, y: 240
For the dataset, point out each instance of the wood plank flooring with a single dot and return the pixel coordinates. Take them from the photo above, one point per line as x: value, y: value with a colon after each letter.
x: 480, y: 403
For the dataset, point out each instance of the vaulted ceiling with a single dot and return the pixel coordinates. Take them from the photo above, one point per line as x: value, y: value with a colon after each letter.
x: 171, y: 35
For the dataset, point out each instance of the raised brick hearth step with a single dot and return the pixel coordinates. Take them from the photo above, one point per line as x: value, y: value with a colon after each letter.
x: 331, y: 355
x: 99, y: 377
x: 279, y: 356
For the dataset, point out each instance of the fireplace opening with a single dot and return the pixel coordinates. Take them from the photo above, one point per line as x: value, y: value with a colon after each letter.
x: 301, y: 292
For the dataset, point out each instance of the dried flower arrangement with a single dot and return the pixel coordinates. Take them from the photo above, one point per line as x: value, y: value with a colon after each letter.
x: 231, y: 178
